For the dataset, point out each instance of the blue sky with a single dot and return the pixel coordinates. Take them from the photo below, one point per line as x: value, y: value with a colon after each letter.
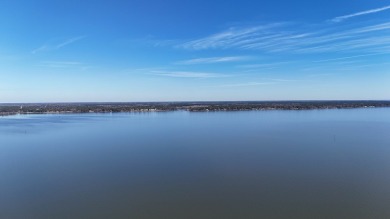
x: 165, y: 50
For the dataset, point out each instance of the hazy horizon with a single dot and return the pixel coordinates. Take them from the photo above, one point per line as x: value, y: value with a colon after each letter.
x: 188, y: 101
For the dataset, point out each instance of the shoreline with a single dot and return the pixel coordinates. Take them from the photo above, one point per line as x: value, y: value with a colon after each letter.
x: 80, y: 108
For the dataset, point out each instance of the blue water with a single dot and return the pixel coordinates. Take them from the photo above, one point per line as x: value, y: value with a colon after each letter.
x: 258, y: 164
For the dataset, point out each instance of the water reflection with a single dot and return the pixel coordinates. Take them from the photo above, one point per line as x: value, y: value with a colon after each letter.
x: 274, y: 164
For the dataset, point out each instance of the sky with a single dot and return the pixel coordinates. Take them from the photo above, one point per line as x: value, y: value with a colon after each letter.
x: 180, y: 50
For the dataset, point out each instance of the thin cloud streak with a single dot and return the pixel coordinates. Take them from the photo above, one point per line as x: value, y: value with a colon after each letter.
x: 213, y: 60
x: 265, y: 65
x: 265, y: 81
x: 63, y: 64
x: 55, y: 46
x: 372, y: 11
x: 249, y: 84
x: 228, y: 38
x: 187, y: 74
x: 348, y: 57
x: 282, y: 80
x: 274, y: 39
x: 73, y: 65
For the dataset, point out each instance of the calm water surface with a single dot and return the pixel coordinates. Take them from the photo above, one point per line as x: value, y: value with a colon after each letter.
x: 267, y: 164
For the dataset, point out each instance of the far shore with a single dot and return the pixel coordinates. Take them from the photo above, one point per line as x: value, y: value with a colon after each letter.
x: 72, y: 108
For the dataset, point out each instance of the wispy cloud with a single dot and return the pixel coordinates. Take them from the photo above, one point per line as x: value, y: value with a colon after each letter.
x: 265, y: 65
x: 349, y: 57
x: 187, y: 74
x: 72, y: 65
x: 317, y: 75
x: 344, y: 17
x: 263, y: 81
x: 57, y: 44
x: 59, y: 64
x: 247, y: 84
x: 297, y: 39
x: 213, y: 60
x: 229, y: 38
x: 149, y: 40
x: 282, y: 80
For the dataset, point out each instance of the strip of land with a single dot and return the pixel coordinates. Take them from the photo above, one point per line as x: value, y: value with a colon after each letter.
x: 52, y: 108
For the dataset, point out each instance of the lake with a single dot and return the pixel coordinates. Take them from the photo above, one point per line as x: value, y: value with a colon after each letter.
x: 253, y: 164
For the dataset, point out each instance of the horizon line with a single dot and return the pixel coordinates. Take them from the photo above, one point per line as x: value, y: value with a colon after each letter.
x: 199, y: 101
